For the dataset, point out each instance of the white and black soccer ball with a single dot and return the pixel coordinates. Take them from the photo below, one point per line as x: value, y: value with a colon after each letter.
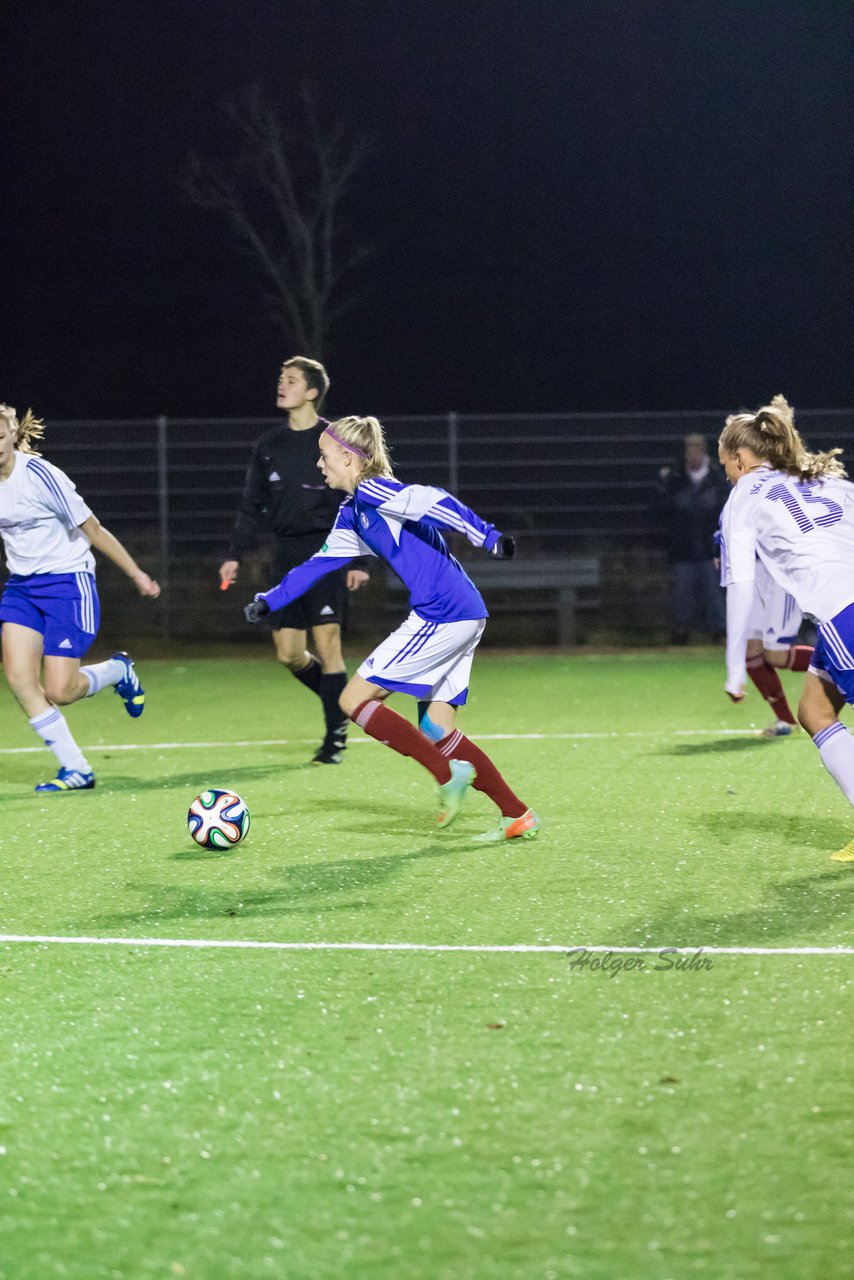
x: 218, y: 819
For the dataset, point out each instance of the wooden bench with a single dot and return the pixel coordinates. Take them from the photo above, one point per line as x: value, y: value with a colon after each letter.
x: 539, y: 584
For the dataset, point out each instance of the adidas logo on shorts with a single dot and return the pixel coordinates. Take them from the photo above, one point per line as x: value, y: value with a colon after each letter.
x: 326, y: 609
x: 65, y: 644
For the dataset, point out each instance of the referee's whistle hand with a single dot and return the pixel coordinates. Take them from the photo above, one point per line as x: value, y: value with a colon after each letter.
x: 228, y: 572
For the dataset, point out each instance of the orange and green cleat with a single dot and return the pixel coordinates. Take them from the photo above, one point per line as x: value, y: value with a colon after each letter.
x: 451, y: 792
x: 523, y: 828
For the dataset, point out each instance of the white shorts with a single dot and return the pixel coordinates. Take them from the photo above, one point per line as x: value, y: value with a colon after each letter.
x: 429, y: 660
x: 775, y: 618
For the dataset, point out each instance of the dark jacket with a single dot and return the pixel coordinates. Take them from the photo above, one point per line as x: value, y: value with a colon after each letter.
x: 284, y: 493
x: 688, y: 513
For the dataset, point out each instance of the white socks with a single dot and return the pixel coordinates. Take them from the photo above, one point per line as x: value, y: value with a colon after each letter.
x: 103, y: 674
x: 52, y: 728
x: 836, y: 747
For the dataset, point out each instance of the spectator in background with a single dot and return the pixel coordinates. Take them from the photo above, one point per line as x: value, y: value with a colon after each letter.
x: 690, y: 498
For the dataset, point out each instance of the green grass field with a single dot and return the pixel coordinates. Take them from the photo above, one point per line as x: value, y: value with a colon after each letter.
x: 369, y: 1113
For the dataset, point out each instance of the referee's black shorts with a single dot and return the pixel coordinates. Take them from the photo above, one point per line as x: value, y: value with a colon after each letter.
x: 326, y: 601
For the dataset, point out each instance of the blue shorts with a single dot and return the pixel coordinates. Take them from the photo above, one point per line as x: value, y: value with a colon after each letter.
x: 63, y: 607
x: 834, y: 654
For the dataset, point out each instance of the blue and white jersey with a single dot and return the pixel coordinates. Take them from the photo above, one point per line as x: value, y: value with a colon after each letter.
x: 802, y: 532
x: 40, y: 515
x: 400, y: 524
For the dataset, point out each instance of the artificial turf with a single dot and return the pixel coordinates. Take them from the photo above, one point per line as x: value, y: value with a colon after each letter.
x: 438, y: 1114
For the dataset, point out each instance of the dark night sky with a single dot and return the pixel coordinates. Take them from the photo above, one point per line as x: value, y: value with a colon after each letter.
x: 575, y: 204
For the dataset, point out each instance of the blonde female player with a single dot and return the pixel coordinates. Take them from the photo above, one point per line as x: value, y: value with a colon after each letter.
x: 795, y: 511
x: 49, y: 609
x: 430, y: 655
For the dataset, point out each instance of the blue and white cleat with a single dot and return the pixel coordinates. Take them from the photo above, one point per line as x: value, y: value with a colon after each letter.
x: 779, y: 729
x: 451, y: 792
x: 128, y: 688
x: 68, y: 780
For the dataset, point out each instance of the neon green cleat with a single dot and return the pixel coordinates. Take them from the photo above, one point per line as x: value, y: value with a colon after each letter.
x: 451, y: 792
x: 523, y: 828
x: 844, y: 855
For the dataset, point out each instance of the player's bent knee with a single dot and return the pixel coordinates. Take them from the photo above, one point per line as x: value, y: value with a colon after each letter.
x: 293, y: 661
x: 61, y: 695
x: 776, y: 657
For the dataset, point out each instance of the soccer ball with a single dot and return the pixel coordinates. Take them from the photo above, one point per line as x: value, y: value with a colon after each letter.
x: 218, y: 819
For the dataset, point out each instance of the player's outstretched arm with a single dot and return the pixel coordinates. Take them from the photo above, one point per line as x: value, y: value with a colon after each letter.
x: 434, y: 506
x: 105, y: 542
x: 294, y: 584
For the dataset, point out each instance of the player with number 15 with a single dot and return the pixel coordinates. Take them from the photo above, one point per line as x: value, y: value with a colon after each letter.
x: 795, y: 511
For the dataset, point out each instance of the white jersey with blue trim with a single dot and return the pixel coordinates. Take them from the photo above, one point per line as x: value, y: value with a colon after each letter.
x: 803, y: 532
x: 400, y: 523
x: 40, y: 515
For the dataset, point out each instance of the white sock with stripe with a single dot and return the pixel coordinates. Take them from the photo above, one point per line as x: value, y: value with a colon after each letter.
x: 52, y: 728
x: 103, y: 674
x: 836, y: 747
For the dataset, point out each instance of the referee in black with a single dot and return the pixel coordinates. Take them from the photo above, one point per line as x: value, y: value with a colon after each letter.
x: 285, y: 492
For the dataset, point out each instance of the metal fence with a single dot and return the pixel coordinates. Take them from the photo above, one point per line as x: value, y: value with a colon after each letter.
x: 568, y: 483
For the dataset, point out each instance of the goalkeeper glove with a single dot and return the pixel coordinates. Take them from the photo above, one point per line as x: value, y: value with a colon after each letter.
x: 505, y: 547
x: 255, y: 610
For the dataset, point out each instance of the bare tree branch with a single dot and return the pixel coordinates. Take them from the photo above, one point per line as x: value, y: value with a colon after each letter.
x: 281, y: 197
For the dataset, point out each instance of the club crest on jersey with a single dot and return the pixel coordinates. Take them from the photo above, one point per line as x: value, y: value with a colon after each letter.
x: 365, y: 521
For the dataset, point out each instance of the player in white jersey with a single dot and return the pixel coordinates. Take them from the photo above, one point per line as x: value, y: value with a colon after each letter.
x: 795, y: 511
x: 430, y: 655
x: 49, y: 609
x: 775, y: 621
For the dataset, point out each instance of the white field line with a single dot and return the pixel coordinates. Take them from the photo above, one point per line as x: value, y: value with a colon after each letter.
x: 355, y: 742
x: 214, y: 944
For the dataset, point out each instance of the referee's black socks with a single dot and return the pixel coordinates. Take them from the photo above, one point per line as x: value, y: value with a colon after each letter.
x: 310, y: 676
x: 331, y: 688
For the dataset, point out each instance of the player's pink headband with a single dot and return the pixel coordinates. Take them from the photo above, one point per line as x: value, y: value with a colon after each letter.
x: 345, y: 444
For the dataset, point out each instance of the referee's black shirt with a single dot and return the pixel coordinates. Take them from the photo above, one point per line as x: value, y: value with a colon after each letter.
x: 284, y: 493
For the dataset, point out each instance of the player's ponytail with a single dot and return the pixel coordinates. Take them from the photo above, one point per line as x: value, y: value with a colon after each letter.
x: 28, y: 429
x: 771, y: 434
x: 367, y: 439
